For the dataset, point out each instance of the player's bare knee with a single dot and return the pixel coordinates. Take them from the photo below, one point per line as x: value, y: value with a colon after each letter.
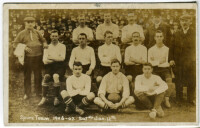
x: 98, y: 79
x: 130, y: 78
x: 64, y: 93
x: 56, y: 78
x: 91, y: 96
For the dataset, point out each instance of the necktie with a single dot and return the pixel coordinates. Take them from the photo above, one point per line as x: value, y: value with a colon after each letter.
x: 31, y: 35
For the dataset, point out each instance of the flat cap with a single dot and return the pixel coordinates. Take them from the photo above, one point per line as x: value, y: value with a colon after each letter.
x: 185, y: 17
x: 29, y: 19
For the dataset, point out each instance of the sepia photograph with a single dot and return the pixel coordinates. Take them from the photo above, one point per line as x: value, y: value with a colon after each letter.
x: 100, y: 64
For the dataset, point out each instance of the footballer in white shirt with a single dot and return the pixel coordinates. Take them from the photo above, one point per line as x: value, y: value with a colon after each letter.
x: 150, y: 91
x: 158, y: 57
x: 106, y: 53
x: 53, y: 59
x: 78, y: 94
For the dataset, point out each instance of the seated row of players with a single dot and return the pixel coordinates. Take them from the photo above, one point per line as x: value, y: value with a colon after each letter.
x: 114, y: 85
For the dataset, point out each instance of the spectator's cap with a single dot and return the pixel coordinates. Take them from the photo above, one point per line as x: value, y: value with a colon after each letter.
x: 185, y: 17
x: 29, y: 19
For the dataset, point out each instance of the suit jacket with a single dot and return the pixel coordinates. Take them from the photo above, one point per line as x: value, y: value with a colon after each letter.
x: 183, y: 48
x: 149, y: 39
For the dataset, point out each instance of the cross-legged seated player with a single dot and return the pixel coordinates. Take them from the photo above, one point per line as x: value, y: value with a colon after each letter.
x: 78, y: 94
x: 150, y: 91
x: 114, y: 92
x: 53, y: 59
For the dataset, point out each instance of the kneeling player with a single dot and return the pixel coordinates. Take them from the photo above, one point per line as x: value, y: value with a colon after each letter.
x: 53, y: 59
x: 78, y: 94
x: 150, y: 91
x: 114, y: 92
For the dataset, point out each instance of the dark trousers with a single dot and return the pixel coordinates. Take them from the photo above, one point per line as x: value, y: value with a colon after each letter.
x: 32, y: 64
x: 186, y: 76
x: 149, y: 102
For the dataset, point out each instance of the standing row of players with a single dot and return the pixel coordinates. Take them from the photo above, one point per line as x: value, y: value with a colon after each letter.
x: 109, y: 54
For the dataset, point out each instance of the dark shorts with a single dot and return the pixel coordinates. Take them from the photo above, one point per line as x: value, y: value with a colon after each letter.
x: 164, y: 73
x: 85, y: 68
x: 103, y: 70
x: 77, y: 99
x: 56, y: 68
x: 133, y: 70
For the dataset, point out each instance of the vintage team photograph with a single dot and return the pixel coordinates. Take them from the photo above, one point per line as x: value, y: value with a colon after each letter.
x: 100, y: 64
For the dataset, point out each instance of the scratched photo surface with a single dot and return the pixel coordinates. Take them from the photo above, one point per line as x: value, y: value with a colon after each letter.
x: 100, y: 63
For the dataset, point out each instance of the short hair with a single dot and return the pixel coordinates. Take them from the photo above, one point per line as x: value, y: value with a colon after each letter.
x: 159, y: 31
x: 115, y: 61
x: 148, y: 64
x: 54, y: 31
x: 77, y: 63
x: 107, y: 32
x: 83, y: 34
x: 135, y: 32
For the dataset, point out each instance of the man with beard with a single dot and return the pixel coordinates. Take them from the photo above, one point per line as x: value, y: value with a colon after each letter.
x: 33, y: 43
x: 53, y: 59
x: 82, y: 28
x: 107, y: 26
x: 183, y: 57
x: 84, y: 54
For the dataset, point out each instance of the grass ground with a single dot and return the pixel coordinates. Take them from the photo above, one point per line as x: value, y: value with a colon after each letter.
x: 21, y: 111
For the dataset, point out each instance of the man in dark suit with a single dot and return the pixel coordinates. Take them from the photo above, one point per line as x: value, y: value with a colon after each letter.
x: 183, y: 57
x: 157, y: 25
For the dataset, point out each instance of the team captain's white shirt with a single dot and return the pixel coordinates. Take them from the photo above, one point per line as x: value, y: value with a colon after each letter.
x: 102, y: 28
x: 107, y: 52
x: 114, y: 84
x: 85, y: 56
x: 86, y: 30
x: 128, y: 30
x: 143, y: 84
x: 83, y: 83
x: 138, y: 52
x: 57, y: 52
x: 158, y: 54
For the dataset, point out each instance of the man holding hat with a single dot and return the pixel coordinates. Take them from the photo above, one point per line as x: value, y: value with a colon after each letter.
x: 183, y: 57
x: 34, y: 44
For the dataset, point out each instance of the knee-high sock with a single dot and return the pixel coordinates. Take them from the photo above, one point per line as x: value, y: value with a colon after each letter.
x: 85, y: 101
x: 69, y: 102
